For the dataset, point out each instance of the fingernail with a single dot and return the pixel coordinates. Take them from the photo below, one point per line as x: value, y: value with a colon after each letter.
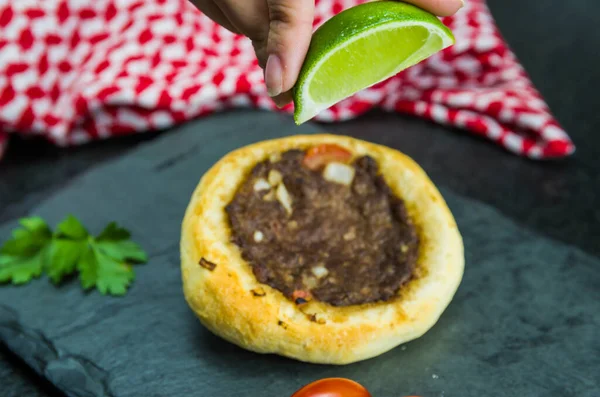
x: 462, y: 3
x: 274, y: 75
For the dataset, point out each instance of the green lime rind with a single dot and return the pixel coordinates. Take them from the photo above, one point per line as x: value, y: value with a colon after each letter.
x: 357, y: 21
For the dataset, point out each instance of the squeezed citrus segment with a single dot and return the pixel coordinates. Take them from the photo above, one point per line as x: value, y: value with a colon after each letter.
x: 360, y: 62
x: 362, y: 46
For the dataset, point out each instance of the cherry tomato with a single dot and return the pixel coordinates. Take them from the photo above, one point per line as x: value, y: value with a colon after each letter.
x: 320, y: 155
x: 333, y: 387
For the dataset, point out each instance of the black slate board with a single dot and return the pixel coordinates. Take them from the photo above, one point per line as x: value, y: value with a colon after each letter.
x: 524, y: 321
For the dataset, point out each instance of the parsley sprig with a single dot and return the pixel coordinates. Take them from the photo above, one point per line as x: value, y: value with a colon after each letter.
x: 103, y: 262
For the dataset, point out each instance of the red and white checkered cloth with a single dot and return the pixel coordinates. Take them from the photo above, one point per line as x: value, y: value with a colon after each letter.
x: 79, y: 70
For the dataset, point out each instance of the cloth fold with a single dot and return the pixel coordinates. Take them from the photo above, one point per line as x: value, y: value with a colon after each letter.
x: 74, y: 71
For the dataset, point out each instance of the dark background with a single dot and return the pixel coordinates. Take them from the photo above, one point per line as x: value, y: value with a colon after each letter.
x: 558, y: 43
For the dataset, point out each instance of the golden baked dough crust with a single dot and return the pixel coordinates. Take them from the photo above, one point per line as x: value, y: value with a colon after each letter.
x: 231, y: 303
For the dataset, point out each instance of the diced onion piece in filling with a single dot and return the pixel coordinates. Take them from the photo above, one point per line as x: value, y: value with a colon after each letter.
x: 275, y: 177
x: 339, y: 173
x: 320, y: 271
x: 258, y: 236
x: 284, y: 198
x: 261, y: 184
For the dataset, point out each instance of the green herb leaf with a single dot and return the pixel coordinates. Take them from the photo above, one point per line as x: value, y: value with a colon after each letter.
x: 64, y: 256
x: 112, y: 253
x: 21, y: 269
x: 22, y: 257
x: 114, y: 242
x: 71, y: 228
x: 29, y: 239
x: 35, y: 223
x: 113, y: 232
x: 96, y: 269
x: 103, y: 262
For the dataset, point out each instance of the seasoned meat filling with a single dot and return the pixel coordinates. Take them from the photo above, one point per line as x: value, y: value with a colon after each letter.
x: 327, y: 231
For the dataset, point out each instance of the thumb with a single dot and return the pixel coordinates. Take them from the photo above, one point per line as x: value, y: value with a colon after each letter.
x: 290, y: 31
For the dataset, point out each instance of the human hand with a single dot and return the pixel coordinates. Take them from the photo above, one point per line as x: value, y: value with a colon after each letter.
x: 281, y: 31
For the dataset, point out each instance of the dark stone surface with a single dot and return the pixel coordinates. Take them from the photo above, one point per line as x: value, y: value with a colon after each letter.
x: 558, y: 43
x: 524, y: 318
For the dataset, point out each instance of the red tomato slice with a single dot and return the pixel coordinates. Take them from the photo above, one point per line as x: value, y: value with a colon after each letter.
x: 320, y: 155
x: 333, y: 387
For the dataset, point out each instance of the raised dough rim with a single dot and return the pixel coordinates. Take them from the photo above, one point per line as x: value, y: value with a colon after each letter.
x: 226, y: 304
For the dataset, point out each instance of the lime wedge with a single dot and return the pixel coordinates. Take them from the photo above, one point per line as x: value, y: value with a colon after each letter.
x: 363, y: 46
